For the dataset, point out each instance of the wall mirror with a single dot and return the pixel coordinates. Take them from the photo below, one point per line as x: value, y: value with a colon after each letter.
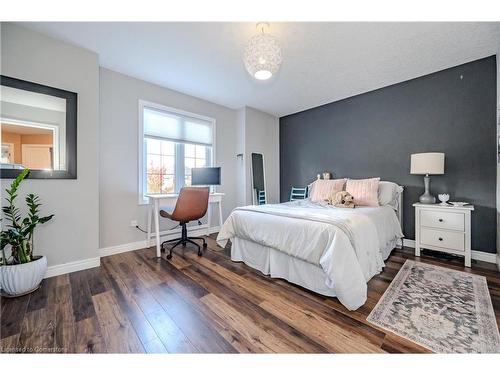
x: 259, y: 195
x: 38, y: 130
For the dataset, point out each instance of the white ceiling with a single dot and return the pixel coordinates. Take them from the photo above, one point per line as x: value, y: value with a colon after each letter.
x: 32, y: 99
x: 322, y: 62
x: 24, y: 129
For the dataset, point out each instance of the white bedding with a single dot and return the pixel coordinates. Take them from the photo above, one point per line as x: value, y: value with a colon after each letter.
x: 345, y: 243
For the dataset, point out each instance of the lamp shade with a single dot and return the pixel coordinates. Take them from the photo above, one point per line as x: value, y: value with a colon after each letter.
x: 427, y: 163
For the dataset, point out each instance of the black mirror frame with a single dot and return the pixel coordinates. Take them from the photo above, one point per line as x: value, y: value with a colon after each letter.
x: 71, y: 129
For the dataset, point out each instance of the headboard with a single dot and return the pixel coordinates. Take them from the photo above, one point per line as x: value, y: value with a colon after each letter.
x: 399, y: 211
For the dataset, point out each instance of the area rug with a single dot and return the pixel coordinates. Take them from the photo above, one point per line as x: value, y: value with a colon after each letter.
x: 444, y: 310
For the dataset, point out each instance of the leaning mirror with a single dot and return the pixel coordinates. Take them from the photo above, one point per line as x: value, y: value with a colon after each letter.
x: 38, y: 130
x: 258, y: 179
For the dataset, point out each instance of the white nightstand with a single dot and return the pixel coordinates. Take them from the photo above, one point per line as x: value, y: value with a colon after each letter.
x: 443, y: 228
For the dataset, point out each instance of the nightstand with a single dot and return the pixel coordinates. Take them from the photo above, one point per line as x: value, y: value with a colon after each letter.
x: 443, y: 228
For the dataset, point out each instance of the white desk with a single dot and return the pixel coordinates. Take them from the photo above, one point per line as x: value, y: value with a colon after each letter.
x: 157, y: 200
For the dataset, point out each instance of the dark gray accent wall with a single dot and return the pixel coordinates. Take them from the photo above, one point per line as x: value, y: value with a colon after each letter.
x: 373, y: 134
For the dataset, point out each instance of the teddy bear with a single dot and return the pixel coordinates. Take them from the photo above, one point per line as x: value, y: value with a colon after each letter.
x: 342, y: 199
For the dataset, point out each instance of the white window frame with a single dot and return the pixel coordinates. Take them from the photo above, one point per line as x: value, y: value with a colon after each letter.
x: 142, y: 152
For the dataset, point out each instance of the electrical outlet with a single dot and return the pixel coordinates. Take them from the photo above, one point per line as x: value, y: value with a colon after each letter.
x: 133, y: 223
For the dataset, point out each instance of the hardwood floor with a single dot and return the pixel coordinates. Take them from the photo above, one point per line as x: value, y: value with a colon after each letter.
x: 136, y: 303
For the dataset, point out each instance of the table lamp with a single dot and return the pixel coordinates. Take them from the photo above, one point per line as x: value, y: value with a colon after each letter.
x: 427, y: 163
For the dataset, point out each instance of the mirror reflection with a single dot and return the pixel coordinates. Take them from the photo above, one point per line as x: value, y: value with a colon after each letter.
x: 33, y: 130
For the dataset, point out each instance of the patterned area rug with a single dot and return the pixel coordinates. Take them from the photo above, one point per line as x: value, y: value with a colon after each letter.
x: 444, y: 310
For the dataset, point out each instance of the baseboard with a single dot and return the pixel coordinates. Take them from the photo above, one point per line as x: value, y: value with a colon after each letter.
x: 475, y: 254
x: 485, y: 257
x: 166, y: 235
x: 61, y: 269
x: 408, y: 243
x: 123, y: 248
x: 79, y: 265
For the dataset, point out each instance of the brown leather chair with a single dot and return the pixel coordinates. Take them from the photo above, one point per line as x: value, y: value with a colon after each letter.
x: 192, y: 204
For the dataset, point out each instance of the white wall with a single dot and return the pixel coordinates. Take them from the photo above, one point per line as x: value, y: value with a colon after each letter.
x: 119, y: 152
x: 73, y: 234
x: 95, y: 210
x: 240, y: 150
x: 262, y: 136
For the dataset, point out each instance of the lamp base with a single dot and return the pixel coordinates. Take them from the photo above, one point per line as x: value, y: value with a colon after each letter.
x: 427, y: 198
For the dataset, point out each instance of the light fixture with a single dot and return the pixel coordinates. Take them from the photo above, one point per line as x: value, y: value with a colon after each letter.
x: 262, y: 54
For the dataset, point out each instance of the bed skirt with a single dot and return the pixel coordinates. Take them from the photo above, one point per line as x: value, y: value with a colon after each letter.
x: 277, y: 264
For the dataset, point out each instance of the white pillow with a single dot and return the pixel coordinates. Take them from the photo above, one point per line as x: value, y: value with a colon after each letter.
x: 388, y: 193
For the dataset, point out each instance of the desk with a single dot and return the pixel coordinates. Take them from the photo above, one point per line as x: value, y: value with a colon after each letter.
x: 157, y: 200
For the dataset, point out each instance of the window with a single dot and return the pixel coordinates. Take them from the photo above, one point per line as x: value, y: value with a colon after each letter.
x: 172, y: 143
x: 195, y: 156
x: 160, y: 166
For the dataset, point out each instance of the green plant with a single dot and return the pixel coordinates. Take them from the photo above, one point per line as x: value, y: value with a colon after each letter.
x: 19, y: 232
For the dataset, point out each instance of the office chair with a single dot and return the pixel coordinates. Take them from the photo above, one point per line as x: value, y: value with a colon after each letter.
x: 191, y: 204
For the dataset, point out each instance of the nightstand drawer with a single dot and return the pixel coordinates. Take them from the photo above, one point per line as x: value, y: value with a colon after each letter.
x: 441, y: 238
x: 443, y: 220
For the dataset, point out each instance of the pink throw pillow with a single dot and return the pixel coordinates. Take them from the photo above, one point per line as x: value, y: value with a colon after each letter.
x: 322, y: 190
x: 365, y: 192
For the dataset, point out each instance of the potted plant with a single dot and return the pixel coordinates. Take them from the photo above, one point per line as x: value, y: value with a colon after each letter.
x: 20, y: 272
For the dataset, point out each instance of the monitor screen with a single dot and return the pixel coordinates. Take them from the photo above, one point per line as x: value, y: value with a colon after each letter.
x: 205, y: 176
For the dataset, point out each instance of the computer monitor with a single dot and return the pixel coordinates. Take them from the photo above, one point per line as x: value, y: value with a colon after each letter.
x: 205, y: 176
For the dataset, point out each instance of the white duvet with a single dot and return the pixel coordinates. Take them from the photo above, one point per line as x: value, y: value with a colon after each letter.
x: 344, y: 243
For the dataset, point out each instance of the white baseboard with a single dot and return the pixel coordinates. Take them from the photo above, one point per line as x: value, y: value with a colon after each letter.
x: 408, y: 243
x: 166, y: 235
x: 485, y: 257
x: 79, y: 265
x: 61, y: 269
x: 123, y: 248
x: 475, y: 254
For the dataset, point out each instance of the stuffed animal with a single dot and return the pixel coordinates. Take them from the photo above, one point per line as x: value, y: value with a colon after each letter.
x: 342, y: 199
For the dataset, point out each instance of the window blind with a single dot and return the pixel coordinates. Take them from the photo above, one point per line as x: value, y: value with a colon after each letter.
x: 177, y: 128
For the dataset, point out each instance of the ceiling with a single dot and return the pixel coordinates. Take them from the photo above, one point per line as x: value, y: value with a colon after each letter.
x: 32, y: 99
x: 24, y: 129
x: 322, y: 62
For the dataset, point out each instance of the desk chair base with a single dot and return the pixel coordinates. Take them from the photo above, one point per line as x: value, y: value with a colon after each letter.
x: 183, y: 240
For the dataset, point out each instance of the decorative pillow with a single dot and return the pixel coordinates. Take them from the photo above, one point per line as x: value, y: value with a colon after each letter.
x: 322, y: 190
x: 388, y: 193
x: 365, y: 192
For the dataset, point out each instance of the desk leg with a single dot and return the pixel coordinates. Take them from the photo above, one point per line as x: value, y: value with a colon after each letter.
x: 150, y: 215
x: 157, y: 227
x: 220, y: 215
x: 209, y: 217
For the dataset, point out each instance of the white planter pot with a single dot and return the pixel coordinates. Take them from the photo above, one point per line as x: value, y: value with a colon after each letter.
x: 22, y: 278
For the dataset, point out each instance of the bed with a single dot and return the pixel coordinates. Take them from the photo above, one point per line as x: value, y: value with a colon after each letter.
x: 331, y: 251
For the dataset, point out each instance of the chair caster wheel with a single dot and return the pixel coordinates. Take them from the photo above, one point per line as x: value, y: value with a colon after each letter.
x: 200, y: 253
x: 169, y: 256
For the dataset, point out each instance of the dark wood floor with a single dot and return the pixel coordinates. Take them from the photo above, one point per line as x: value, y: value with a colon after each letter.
x: 136, y: 303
